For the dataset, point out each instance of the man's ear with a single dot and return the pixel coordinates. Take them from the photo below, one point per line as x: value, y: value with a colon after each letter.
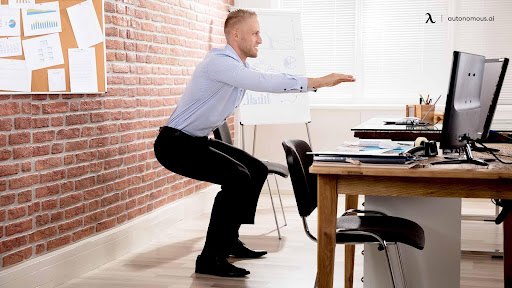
x: 235, y: 34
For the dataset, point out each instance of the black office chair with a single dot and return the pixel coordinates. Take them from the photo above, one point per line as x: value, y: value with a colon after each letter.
x: 223, y: 134
x: 381, y: 229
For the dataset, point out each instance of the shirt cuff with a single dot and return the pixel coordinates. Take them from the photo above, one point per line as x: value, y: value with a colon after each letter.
x: 303, y: 83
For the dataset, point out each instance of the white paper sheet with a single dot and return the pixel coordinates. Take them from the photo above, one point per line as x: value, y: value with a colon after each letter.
x: 85, y: 24
x: 15, y: 76
x: 42, y: 52
x: 82, y: 70
x: 21, y: 3
x: 41, y: 19
x: 56, y: 79
x: 9, y: 21
x: 10, y: 46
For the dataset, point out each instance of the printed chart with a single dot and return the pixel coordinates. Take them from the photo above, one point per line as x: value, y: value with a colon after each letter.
x: 42, y: 19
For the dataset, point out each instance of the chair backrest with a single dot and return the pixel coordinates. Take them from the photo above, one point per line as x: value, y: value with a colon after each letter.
x: 223, y: 134
x: 304, y: 183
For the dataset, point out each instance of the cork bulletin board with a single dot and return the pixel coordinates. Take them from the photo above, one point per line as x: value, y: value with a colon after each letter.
x: 39, y: 83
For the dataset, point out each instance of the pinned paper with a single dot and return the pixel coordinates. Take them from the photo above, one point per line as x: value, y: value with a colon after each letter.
x: 41, y: 19
x: 56, y: 80
x: 44, y: 51
x: 82, y: 70
x: 9, y: 21
x: 21, y: 3
x: 85, y: 24
x: 10, y: 46
x: 15, y: 76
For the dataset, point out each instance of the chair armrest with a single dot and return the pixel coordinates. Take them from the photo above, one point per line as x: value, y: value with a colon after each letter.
x: 351, y: 211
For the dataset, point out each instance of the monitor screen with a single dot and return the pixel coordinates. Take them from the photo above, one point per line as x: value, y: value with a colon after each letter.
x: 463, y: 100
x: 494, y: 74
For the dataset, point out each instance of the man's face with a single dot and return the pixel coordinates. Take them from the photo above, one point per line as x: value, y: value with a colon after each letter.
x: 249, y: 37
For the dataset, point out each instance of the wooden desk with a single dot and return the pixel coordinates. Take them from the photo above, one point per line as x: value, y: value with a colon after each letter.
x: 460, y: 181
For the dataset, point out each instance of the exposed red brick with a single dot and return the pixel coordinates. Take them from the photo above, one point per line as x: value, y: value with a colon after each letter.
x: 55, y: 107
x: 111, y: 199
x: 7, y: 199
x: 5, y: 125
x: 77, y: 171
x: 75, y: 211
x: 25, y: 196
x: 42, y: 220
x: 16, y: 212
x: 48, y: 163
x: 104, y: 225
x: 13, y: 243
x: 115, y: 210
x: 44, y: 136
x: 48, y: 190
x: 8, y: 109
x: 18, y: 227
x: 40, y: 150
x: 58, y: 242
x: 70, y: 199
x: 57, y: 216
x: 77, y: 119
x: 40, y: 248
x: 42, y: 234
x: 70, y: 225
x: 53, y: 176
x: 49, y: 204
x: 80, y: 234
x: 94, y: 217
x: 19, y: 138
x: 17, y: 256
x: 23, y: 181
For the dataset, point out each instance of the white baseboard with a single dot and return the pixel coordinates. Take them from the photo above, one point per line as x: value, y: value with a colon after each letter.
x: 60, y: 266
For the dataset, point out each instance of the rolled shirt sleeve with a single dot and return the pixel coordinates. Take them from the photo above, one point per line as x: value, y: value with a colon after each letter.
x: 234, y: 73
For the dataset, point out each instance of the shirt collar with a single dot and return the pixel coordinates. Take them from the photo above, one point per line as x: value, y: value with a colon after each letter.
x: 232, y: 51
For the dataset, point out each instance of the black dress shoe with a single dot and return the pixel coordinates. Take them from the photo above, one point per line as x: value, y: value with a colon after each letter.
x: 239, y: 250
x: 218, y: 266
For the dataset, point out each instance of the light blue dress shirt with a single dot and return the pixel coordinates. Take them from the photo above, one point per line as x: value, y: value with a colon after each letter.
x: 218, y: 86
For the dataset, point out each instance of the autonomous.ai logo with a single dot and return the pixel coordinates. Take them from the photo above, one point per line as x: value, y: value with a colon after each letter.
x: 429, y: 18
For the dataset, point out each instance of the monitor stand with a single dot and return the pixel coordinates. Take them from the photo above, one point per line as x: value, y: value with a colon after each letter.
x: 467, y: 159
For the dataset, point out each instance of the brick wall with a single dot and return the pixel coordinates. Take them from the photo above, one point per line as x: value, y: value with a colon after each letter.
x: 73, y: 166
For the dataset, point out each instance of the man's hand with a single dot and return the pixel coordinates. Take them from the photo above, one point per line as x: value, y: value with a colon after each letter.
x: 330, y: 80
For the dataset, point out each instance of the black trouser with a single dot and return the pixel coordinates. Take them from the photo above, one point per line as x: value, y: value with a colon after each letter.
x: 240, y: 175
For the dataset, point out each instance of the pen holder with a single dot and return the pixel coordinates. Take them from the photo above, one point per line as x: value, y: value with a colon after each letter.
x: 420, y: 111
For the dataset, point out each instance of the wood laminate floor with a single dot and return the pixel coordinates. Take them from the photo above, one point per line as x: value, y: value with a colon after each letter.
x: 169, y: 260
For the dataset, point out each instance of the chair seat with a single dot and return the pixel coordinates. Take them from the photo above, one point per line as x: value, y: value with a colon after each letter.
x: 389, y: 228
x: 276, y: 168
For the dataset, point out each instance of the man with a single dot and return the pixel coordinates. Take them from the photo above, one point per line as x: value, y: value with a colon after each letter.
x: 217, y: 87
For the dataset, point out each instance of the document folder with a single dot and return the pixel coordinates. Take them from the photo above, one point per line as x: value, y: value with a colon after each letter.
x: 363, y: 158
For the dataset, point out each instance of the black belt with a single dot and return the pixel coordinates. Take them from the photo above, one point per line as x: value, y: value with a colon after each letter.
x: 177, y: 132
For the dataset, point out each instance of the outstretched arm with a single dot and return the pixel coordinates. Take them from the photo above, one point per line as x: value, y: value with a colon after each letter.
x: 330, y: 80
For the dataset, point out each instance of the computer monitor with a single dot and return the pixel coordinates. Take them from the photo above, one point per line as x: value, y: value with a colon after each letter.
x: 494, y: 74
x: 462, y: 105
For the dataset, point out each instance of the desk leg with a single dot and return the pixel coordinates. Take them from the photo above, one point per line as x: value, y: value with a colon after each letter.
x: 507, y: 250
x: 350, y: 250
x: 327, y: 205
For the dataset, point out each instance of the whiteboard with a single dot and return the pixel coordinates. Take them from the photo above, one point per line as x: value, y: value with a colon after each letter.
x: 282, y: 51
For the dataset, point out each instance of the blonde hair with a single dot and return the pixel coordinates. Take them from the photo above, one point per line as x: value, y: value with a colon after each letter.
x: 235, y: 17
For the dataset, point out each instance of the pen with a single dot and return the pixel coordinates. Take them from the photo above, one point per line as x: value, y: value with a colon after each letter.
x: 426, y: 101
x: 421, y: 99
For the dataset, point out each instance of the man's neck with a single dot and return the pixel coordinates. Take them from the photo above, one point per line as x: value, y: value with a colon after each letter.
x: 239, y: 53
